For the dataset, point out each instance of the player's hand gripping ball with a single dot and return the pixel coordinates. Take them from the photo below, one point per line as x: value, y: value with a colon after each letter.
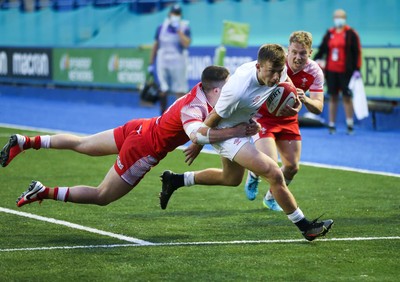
x: 284, y: 94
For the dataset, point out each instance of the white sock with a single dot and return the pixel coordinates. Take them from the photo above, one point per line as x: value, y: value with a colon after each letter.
x: 21, y: 141
x: 331, y: 124
x: 350, y: 122
x: 296, y: 216
x: 62, y: 193
x: 253, y: 175
x: 269, y: 195
x: 45, y: 141
x: 188, y: 178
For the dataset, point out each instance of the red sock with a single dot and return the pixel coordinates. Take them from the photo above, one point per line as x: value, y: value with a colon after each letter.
x: 66, y: 195
x: 27, y: 144
x: 44, y: 194
x: 37, y: 143
x: 55, y: 193
x: 63, y: 192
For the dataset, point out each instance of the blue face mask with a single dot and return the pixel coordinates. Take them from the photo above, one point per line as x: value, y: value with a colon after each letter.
x: 339, y: 22
x: 175, y: 20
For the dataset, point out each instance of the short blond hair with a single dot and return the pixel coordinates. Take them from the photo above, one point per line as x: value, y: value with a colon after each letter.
x: 339, y: 13
x: 302, y: 37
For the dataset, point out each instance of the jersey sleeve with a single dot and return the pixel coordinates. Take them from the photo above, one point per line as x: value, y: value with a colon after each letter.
x: 157, y: 34
x: 228, y: 101
x: 192, y: 116
x: 186, y: 29
x: 284, y: 75
x: 319, y: 79
x: 188, y: 32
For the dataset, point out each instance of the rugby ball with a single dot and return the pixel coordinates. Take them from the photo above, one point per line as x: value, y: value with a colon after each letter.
x: 284, y: 94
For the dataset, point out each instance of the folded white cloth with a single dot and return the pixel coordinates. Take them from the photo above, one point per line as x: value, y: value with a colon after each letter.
x: 360, y: 102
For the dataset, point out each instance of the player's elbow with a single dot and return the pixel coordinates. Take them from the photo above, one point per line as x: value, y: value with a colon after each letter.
x: 316, y: 111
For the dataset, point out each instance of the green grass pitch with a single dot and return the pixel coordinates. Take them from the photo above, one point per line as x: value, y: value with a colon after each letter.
x: 216, y: 233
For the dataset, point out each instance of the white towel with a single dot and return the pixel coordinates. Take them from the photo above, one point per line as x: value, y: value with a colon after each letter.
x: 360, y: 102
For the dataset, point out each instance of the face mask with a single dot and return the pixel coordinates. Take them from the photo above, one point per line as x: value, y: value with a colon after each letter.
x: 339, y: 22
x: 175, y: 20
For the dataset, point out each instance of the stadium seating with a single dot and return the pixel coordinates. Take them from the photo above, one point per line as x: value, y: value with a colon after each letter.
x: 64, y: 5
x: 137, y: 6
x: 205, y: 24
x: 83, y: 3
x: 10, y: 4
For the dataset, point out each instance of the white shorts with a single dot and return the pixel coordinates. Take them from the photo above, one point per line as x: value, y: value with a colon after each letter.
x: 230, y: 147
x: 172, y: 74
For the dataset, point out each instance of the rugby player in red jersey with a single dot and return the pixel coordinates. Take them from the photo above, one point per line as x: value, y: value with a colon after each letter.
x: 140, y: 144
x: 281, y: 134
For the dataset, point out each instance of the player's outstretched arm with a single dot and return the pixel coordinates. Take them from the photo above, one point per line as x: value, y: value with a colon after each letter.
x: 207, y: 135
x: 191, y: 152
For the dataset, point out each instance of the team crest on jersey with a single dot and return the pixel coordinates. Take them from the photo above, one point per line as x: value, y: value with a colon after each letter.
x: 303, y: 82
x: 263, y: 130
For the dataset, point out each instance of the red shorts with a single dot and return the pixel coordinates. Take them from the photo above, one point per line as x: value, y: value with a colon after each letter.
x: 135, y: 157
x: 278, y: 131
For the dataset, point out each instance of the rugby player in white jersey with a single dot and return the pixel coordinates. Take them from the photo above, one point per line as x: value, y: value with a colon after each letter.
x: 241, y: 97
x: 281, y: 133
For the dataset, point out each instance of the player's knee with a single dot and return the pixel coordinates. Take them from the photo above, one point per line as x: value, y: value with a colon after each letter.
x: 102, y: 199
x: 85, y: 146
x: 275, y: 176
x: 291, y: 170
x: 234, y: 182
x: 103, y: 203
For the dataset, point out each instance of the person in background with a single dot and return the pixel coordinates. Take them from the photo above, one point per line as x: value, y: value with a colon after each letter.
x: 341, y: 49
x: 170, y: 55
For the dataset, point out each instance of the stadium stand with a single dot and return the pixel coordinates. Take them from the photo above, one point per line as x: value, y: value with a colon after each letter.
x: 10, y: 4
x: 131, y: 23
x: 64, y: 5
x: 381, y: 29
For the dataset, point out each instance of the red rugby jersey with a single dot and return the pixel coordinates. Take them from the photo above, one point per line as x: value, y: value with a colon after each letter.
x: 311, y: 77
x: 165, y: 133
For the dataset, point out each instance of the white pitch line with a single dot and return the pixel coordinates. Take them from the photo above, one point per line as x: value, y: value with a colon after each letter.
x: 208, y: 149
x: 281, y: 241
x: 40, y: 129
x: 346, y: 168
x: 76, y: 226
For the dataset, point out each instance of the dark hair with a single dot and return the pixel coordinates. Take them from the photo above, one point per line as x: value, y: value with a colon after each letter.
x: 213, y: 76
x: 273, y: 53
x: 176, y: 9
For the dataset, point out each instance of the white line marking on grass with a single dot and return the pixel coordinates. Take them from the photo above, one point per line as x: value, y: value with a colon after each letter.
x: 350, y: 169
x: 77, y: 226
x: 208, y: 150
x: 69, y: 247
x: 283, y: 241
x: 39, y: 129
x: 345, y: 168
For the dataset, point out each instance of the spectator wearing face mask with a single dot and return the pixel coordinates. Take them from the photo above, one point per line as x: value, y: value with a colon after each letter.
x: 341, y: 49
x: 170, y: 55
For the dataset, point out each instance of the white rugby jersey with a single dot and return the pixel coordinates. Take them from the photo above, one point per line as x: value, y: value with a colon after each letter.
x: 242, y: 95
